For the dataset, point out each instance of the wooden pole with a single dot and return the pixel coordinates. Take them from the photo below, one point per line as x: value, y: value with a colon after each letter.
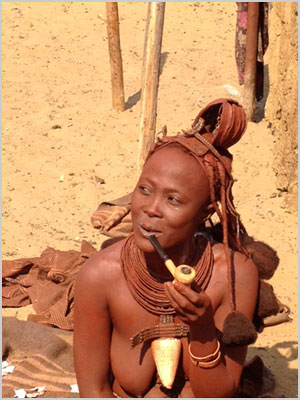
x: 116, y: 68
x: 251, y: 59
x: 150, y: 78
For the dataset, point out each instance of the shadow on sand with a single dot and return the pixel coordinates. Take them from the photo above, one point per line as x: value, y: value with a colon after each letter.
x: 135, y: 98
x: 276, y: 359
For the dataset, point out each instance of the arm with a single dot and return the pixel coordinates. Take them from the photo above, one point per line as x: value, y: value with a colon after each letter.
x: 92, y: 332
x: 195, y: 309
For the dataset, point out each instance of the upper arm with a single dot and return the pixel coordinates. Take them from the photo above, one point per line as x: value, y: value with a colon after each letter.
x: 246, y: 283
x: 92, y: 330
x: 246, y: 290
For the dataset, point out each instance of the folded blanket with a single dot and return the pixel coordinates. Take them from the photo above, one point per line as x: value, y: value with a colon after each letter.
x: 43, y: 356
x: 113, y: 218
x: 47, y: 282
x: 40, y: 358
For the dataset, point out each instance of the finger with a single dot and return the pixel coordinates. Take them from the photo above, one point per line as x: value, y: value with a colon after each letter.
x: 199, y: 298
x: 180, y: 302
x: 184, y: 295
x: 186, y: 291
x: 186, y: 315
x: 185, y: 310
x: 183, y: 314
x: 174, y: 303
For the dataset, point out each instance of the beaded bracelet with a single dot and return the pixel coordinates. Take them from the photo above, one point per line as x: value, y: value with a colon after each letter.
x: 209, y: 361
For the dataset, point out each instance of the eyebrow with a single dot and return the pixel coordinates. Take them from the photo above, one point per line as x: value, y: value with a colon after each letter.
x: 166, y: 188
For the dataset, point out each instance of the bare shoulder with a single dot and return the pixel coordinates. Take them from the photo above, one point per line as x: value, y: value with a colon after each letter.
x: 245, y: 278
x: 103, y: 268
x: 244, y: 268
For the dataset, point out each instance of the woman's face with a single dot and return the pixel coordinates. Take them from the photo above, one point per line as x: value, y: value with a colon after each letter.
x: 170, y: 199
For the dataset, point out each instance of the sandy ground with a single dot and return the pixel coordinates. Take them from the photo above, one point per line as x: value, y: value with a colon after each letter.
x: 56, y: 75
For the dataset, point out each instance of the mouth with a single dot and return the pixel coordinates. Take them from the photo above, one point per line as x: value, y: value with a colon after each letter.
x: 147, y: 231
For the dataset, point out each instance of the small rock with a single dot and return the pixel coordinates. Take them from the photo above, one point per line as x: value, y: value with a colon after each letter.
x: 282, y: 189
x: 100, y: 181
x: 56, y: 126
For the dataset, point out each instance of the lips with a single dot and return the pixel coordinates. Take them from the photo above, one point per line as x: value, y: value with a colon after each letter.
x: 146, y: 230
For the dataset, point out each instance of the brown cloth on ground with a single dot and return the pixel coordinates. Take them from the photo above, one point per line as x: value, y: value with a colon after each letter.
x: 113, y: 218
x: 47, y: 282
x: 42, y: 356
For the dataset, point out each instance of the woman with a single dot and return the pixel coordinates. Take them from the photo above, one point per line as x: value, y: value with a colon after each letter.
x: 125, y: 294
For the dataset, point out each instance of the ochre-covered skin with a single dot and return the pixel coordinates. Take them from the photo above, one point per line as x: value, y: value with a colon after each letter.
x: 170, y: 201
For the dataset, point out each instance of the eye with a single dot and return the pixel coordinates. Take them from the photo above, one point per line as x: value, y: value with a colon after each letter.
x: 174, y: 200
x: 144, y: 190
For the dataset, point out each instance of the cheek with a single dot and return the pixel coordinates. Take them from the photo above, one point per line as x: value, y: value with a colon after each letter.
x: 183, y: 222
x: 137, y: 206
x: 135, y: 202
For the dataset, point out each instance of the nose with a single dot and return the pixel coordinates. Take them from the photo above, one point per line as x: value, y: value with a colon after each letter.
x: 153, y: 207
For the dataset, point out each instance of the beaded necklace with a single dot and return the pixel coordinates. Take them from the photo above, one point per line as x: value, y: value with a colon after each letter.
x: 148, y: 290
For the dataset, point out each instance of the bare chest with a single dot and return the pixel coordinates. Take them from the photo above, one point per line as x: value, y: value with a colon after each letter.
x: 133, y: 367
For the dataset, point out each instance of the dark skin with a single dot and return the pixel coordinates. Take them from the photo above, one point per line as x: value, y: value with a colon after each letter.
x: 170, y: 200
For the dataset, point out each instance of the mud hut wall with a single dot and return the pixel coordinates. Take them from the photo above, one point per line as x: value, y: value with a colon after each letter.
x: 282, y: 101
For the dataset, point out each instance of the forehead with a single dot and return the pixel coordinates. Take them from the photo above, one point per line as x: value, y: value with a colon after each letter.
x: 173, y: 165
x: 172, y: 155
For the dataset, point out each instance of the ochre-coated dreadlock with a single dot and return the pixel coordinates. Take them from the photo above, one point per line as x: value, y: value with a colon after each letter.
x: 218, y: 126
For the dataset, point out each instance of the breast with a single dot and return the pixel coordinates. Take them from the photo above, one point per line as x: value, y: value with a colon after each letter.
x: 134, y: 369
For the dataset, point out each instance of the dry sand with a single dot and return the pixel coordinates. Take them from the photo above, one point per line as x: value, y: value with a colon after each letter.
x: 56, y: 73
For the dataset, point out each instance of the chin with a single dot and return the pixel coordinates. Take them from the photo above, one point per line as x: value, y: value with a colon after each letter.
x: 143, y: 244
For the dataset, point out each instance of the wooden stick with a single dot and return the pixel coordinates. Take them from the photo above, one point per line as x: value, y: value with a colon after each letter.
x: 150, y: 78
x: 116, y: 68
x: 251, y: 59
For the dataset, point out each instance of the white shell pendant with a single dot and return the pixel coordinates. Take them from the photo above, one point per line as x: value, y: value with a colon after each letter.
x: 166, y: 353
